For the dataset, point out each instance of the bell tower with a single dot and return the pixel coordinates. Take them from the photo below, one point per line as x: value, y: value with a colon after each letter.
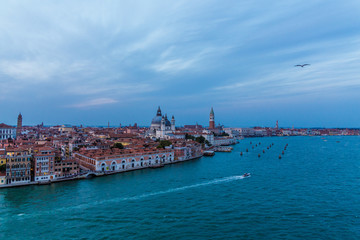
x: 212, y: 119
x: 19, y: 125
x: 173, y: 124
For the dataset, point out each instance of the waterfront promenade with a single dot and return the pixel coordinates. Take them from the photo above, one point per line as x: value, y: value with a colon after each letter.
x: 88, y: 174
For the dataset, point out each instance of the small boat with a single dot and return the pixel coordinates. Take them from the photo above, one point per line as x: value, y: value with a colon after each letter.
x: 209, y: 153
x: 246, y: 175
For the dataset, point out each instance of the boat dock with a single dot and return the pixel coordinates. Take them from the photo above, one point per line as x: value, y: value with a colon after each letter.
x: 222, y: 149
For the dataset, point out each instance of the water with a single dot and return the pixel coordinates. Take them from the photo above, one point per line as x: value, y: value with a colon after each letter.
x: 313, y: 192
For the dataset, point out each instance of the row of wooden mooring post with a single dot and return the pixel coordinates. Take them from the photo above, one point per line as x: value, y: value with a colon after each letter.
x: 268, y: 147
x: 259, y: 155
x: 283, y: 152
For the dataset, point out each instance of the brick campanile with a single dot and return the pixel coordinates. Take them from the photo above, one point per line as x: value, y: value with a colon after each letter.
x: 212, y: 119
x: 19, y: 125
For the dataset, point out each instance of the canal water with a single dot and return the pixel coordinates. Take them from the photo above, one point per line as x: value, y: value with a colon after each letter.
x: 312, y: 192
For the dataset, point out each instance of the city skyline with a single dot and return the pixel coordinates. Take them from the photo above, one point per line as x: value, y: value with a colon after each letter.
x: 92, y: 62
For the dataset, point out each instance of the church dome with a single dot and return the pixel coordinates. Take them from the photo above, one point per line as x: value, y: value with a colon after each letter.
x: 167, y: 123
x: 156, y: 120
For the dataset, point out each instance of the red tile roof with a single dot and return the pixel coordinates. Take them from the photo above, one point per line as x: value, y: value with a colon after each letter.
x: 3, y: 125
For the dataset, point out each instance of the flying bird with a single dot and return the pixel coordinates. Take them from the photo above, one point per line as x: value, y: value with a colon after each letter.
x: 302, y: 65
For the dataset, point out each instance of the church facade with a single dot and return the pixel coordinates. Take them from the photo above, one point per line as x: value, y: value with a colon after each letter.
x: 161, y: 126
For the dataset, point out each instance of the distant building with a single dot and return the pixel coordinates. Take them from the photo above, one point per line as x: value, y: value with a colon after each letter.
x: 66, y: 128
x: 19, y: 125
x: 161, y: 126
x: 7, y: 132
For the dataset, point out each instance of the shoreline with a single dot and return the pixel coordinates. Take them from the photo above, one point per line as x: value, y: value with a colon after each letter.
x: 85, y: 176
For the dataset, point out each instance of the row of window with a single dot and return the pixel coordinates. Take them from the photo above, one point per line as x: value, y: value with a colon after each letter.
x: 18, y: 159
x: 7, y: 131
x: 18, y: 166
x: 42, y: 158
x: 18, y: 173
x: 18, y: 179
x: 65, y: 169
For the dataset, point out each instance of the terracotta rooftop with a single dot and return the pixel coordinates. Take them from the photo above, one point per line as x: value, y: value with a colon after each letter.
x: 3, y: 125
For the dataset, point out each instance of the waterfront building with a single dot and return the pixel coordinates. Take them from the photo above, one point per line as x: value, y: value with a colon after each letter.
x: 66, y: 168
x: 18, y: 165
x: 7, y: 132
x: 223, y: 141
x: 44, y: 164
x: 122, y: 160
x: 19, y: 125
x: 212, y: 119
x: 160, y: 125
x: 184, y: 153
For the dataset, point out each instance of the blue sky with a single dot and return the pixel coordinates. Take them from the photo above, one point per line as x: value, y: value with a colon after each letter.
x: 90, y: 62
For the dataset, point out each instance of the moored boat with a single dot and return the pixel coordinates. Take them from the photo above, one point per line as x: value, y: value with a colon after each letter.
x: 209, y: 153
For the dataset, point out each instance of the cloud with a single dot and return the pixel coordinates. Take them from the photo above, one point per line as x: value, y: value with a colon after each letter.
x: 29, y: 70
x: 93, y: 53
x: 94, y: 102
x: 169, y: 62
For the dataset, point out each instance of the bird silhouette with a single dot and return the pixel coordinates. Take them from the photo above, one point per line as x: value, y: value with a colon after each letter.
x: 302, y: 65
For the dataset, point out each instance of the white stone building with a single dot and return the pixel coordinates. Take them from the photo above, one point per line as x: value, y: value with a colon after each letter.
x: 161, y: 126
x: 7, y: 132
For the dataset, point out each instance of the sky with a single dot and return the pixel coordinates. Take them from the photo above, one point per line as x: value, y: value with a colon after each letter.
x: 93, y: 62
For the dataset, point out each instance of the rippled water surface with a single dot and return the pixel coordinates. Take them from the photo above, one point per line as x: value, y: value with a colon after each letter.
x: 312, y: 192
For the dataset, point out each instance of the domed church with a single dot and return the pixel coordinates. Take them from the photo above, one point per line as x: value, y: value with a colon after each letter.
x: 161, y: 126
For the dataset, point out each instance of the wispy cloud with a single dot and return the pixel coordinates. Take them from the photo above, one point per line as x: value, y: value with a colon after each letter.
x: 29, y: 70
x: 92, y: 53
x: 94, y: 102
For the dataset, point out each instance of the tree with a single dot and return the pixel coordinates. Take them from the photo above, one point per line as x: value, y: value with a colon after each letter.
x: 200, y: 139
x: 188, y: 136
x: 164, y: 143
x: 118, y: 145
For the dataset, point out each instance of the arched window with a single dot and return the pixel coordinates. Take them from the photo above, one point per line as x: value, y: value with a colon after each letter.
x: 103, y: 167
x: 113, y: 166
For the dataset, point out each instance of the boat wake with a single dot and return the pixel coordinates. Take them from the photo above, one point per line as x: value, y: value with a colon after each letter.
x: 138, y: 197
x: 212, y: 182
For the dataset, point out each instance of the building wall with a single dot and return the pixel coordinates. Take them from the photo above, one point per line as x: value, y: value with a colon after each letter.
x: 18, y: 166
x: 6, y: 133
x: 66, y: 168
x: 123, y: 163
x: 44, y: 166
